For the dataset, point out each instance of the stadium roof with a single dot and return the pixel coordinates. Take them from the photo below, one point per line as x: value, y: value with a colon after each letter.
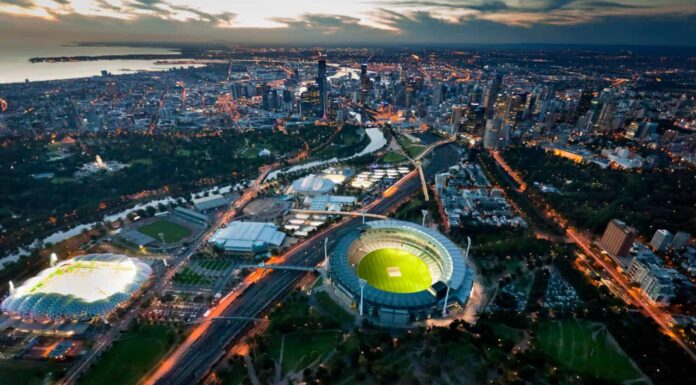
x: 210, y: 202
x: 451, y: 254
x: 84, y: 287
x: 312, y: 184
x: 248, y: 236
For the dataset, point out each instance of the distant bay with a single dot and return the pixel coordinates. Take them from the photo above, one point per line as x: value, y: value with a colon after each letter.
x: 15, y: 66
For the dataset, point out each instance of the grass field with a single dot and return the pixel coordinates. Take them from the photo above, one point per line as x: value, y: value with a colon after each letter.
x: 587, y: 348
x: 131, y: 357
x: 393, y: 157
x: 171, y: 231
x: 302, y: 348
x: 411, y: 148
x: 28, y: 373
x: 334, y: 310
x: 395, y: 271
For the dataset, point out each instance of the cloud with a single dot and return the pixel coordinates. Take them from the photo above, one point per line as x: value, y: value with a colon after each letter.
x: 18, y: 3
x: 364, y: 22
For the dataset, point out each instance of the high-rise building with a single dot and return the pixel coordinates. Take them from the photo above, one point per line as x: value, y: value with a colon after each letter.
x: 491, y: 94
x: 364, y: 83
x: 323, y: 87
x: 491, y: 136
x: 618, y: 238
x: 661, y: 240
x: 606, y: 116
x: 584, y: 103
x: 455, y: 118
x: 438, y: 93
x: 310, y: 104
x: 681, y: 239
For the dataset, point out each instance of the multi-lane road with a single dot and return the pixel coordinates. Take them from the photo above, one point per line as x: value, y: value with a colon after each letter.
x: 207, y: 343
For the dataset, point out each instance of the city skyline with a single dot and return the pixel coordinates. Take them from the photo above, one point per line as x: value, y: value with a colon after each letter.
x: 384, y: 22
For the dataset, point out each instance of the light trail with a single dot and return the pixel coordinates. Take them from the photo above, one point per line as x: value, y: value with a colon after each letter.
x: 515, y: 176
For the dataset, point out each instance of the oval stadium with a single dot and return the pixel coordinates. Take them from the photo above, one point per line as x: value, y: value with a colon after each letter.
x: 81, y: 288
x: 405, y: 271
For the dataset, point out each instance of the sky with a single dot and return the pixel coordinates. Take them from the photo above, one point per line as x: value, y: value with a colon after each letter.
x: 350, y: 22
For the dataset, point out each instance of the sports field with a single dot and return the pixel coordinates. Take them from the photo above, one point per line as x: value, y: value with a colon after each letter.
x: 171, y: 231
x: 588, y: 348
x: 395, y: 271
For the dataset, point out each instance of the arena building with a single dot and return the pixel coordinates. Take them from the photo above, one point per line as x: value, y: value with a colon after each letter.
x: 312, y: 185
x: 401, y: 272
x: 78, y: 289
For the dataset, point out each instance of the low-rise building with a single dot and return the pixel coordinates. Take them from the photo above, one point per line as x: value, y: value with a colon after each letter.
x: 241, y: 237
x: 209, y: 202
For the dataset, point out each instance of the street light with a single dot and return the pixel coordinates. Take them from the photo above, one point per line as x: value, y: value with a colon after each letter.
x: 425, y: 214
x: 362, y: 283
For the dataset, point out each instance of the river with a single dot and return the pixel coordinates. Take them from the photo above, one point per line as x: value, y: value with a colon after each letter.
x: 377, y: 141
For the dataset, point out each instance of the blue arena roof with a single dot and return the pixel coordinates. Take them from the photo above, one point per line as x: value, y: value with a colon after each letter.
x: 247, y: 236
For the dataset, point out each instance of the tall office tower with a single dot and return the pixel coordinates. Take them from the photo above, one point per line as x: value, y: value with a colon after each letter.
x: 364, y: 82
x: 323, y: 87
x: 681, y: 239
x: 491, y: 94
x: 618, y: 238
x: 606, y: 115
x: 584, y: 103
x: 310, y: 102
x: 455, y: 118
x: 661, y: 240
x: 410, y: 93
x: 491, y: 137
x: 514, y: 108
x: 438, y: 93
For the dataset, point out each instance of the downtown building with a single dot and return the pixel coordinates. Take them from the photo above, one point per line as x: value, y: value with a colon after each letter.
x: 617, y: 240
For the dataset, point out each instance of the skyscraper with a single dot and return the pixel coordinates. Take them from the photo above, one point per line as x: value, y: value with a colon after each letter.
x: 323, y: 86
x: 491, y: 94
x: 455, y: 118
x: 618, y: 238
x: 491, y: 136
x: 605, y: 118
x: 364, y: 83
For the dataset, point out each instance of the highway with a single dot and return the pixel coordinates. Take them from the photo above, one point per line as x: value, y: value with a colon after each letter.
x: 208, y: 342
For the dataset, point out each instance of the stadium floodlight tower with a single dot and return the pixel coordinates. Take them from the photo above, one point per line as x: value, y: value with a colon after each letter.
x: 466, y: 258
x: 363, y: 283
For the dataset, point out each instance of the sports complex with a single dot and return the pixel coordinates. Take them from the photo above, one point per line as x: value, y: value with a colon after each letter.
x: 81, y: 288
x: 400, y: 271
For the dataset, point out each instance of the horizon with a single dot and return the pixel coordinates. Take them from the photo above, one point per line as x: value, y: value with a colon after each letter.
x: 380, y: 22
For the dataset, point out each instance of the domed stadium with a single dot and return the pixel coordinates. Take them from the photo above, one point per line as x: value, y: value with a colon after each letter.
x: 407, y: 272
x: 312, y: 185
x: 80, y: 288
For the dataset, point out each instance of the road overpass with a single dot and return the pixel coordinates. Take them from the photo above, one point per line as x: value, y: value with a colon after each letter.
x: 417, y: 163
x: 342, y: 213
